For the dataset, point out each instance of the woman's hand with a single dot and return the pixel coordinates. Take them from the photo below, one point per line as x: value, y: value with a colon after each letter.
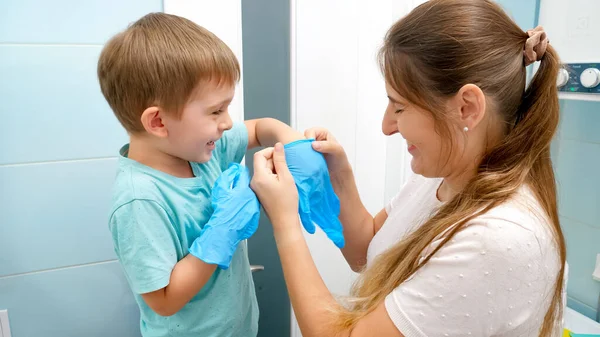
x: 325, y: 143
x: 274, y: 185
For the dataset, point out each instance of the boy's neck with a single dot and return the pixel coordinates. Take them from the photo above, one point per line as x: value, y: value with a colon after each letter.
x: 142, y: 151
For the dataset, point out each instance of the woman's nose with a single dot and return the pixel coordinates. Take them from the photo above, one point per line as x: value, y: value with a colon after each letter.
x: 389, y: 125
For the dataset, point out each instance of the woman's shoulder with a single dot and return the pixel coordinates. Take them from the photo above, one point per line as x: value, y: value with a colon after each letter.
x: 503, y: 262
x: 523, y: 211
x: 519, y: 224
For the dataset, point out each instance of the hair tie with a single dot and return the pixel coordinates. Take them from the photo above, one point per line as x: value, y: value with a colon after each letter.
x: 535, y: 46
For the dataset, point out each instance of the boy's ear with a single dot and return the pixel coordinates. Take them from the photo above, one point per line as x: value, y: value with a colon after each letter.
x: 153, y: 123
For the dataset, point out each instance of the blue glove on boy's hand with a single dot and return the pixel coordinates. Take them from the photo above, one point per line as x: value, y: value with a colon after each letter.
x: 235, y: 218
x: 318, y: 202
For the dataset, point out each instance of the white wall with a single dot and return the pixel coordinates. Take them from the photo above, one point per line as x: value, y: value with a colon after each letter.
x: 224, y: 19
x: 571, y: 27
x: 574, y: 32
x: 336, y: 83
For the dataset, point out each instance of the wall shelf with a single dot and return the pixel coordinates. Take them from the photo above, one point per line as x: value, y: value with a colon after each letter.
x: 579, y: 96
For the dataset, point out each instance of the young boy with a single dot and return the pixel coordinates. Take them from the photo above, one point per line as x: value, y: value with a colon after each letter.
x: 169, y: 82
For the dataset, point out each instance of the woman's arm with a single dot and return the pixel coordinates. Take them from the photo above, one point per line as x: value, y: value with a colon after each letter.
x: 310, y: 297
x: 359, y: 224
x: 311, y: 300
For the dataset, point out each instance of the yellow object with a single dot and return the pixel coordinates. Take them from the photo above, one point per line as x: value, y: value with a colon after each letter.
x: 566, y: 333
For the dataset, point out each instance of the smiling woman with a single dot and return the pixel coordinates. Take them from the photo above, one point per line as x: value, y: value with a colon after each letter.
x: 449, y: 255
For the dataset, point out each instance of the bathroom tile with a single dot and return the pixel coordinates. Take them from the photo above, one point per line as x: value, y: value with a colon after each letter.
x: 90, y: 301
x: 69, y: 21
x: 580, y: 120
x: 577, y: 167
x: 522, y: 11
x: 53, y: 107
x: 576, y: 154
x: 555, y: 151
x: 581, y: 308
x: 55, y: 215
x: 582, y: 247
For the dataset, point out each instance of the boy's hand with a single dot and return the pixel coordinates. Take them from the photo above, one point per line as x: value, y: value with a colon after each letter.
x: 235, y: 218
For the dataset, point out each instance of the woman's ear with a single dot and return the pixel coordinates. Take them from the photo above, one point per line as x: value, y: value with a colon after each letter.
x: 152, y: 121
x: 470, y: 105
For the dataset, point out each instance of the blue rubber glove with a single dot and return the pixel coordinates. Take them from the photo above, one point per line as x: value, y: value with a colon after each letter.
x: 318, y: 202
x: 235, y: 218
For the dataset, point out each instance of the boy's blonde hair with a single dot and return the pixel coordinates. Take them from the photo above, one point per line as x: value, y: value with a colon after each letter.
x: 159, y: 61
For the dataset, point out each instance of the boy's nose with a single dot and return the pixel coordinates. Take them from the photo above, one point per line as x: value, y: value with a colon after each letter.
x: 226, y: 123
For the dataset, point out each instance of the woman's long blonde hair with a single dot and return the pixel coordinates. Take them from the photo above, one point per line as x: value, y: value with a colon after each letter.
x: 427, y: 57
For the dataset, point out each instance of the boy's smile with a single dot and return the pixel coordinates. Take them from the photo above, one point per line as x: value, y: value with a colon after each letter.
x: 204, y: 119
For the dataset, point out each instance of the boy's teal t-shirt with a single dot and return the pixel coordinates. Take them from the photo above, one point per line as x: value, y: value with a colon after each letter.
x: 155, y: 217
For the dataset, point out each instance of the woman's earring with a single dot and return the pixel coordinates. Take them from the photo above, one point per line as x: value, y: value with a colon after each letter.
x: 466, y: 129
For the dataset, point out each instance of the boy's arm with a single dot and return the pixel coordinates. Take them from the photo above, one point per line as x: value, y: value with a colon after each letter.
x: 188, y: 277
x: 145, y: 243
x: 266, y: 132
x: 234, y: 219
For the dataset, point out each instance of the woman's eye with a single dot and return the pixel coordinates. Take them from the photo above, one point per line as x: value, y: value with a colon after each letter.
x: 217, y: 112
x: 399, y: 111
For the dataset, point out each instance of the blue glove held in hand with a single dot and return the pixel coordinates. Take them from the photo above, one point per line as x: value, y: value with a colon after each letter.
x: 235, y: 218
x: 318, y: 202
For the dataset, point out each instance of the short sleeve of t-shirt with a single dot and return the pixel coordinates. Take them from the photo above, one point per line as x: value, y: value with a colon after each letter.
x: 145, y: 243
